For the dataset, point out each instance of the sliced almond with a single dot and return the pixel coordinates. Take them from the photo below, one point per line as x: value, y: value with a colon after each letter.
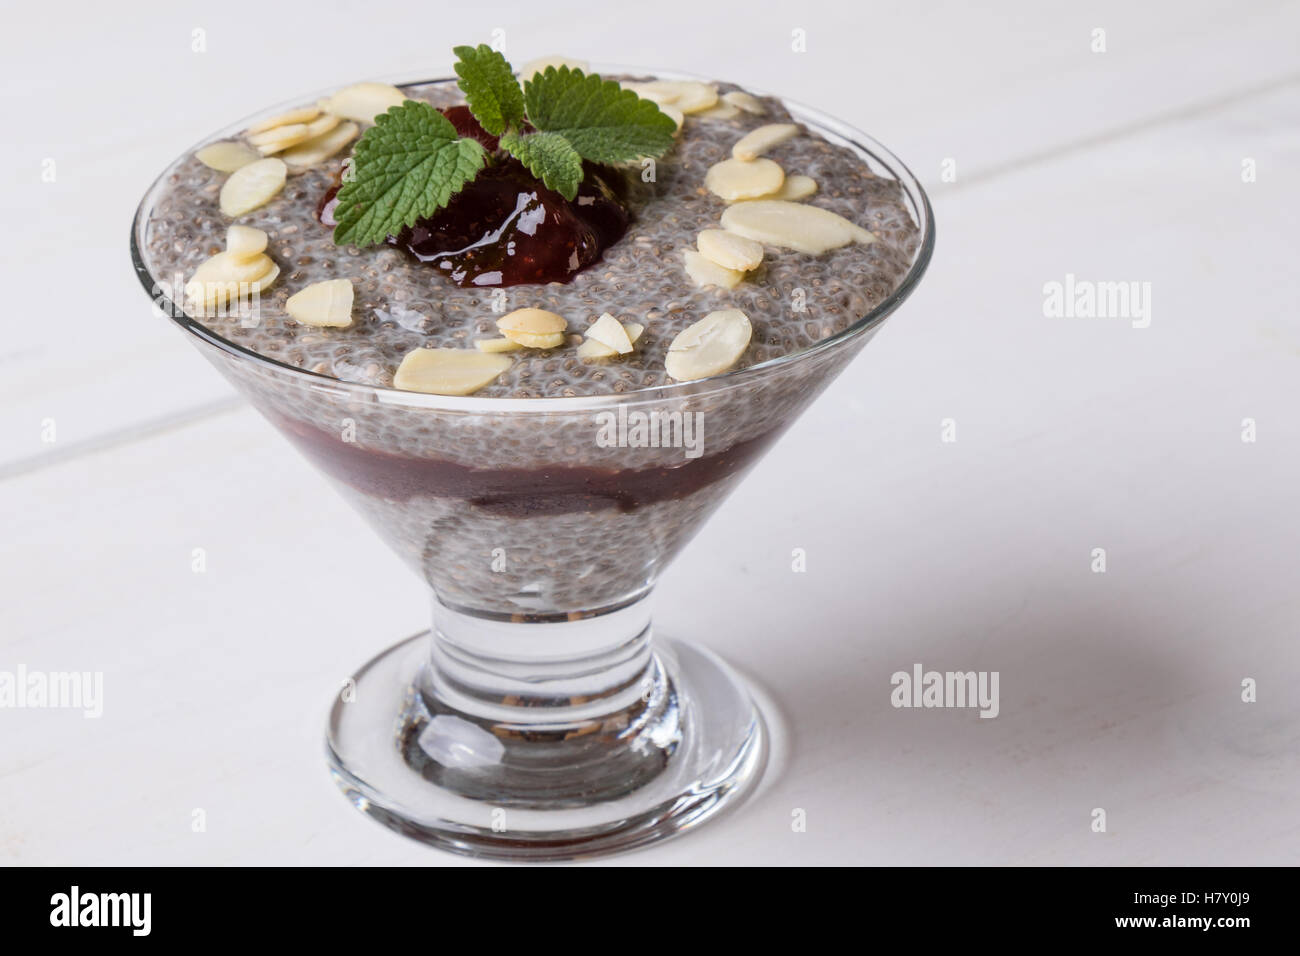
x: 539, y: 65
x: 735, y: 179
x: 319, y: 148
x: 245, y: 242
x: 304, y: 115
x: 325, y: 304
x: 647, y: 92
x: 537, y: 340
x: 448, y: 371
x: 719, y: 111
x: 532, y: 322
x: 696, y: 97
x: 744, y: 101
x: 595, y: 349
x: 497, y: 345
x: 264, y: 283
x: 314, y: 130
x: 674, y: 114
x: 763, y: 138
x: 608, y: 331
x: 792, y: 225
x: 591, y: 349
x: 282, y: 137
x: 227, y: 156
x: 710, y: 346
x: 704, y: 271
x: 224, y: 277
x: 794, y: 188
x: 322, y: 125
x: 730, y: 250
x: 223, y: 267
x: 364, y: 101
x: 251, y: 186
x: 689, y: 96
x: 207, y: 294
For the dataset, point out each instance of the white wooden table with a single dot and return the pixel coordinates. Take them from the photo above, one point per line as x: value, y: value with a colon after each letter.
x: 1119, y: 690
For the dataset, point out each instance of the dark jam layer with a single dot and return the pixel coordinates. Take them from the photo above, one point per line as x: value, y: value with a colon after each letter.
x: 518, y: 492
x: 505, y: 228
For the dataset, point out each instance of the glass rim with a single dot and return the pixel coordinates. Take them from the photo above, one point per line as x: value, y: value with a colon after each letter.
x: 867, y: 148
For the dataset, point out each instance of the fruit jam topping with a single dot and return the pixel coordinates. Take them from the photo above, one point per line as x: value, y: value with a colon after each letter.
x: 505, y: 228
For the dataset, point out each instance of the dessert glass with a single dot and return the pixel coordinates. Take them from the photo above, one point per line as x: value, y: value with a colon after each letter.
x: 541, y: 717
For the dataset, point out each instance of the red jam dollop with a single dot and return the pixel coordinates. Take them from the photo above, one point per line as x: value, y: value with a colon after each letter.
x: 505, y: 228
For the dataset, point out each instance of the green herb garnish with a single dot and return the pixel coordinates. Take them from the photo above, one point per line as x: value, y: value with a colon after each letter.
x: 408, y: 165
x: 490, y: 88
x: 412, y: 161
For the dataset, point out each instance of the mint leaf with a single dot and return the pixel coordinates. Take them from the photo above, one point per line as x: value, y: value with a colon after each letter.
x: 405, y: 167
x: 602, y: 121
x: 490, y: 88
x: 549, y: 157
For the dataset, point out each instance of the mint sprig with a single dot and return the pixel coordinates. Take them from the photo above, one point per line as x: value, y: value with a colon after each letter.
x: 549, y: 157
x: 407, y: 166
x: 490, y: 88
x: 602, y: 121
x: 412, y: 161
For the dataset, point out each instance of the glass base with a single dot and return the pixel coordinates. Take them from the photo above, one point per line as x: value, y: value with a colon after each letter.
x: 412, y: 743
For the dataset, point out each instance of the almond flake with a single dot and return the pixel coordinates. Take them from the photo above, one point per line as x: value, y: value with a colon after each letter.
x: 794, y: 188
x: 689, y: 96
x: 719, y: 111
x: 704, y: 271
x: 315, y: 129
x: 595, y: 349
x: 609, y: 332
x: 364, y: 101
x: 730, y: 250
x: 282, y: 137
x: 532, y: 322
x: 746, y: 102
x: 322, y: 125
x: 591, y: 349
x: 497, y: 345
x: 735, y: 179
x: 448, y: 371
x: 792, y: 225
x: 251, y: 186
x: 325, y: 304
x: 224, y: 277
x: 758, y: 141
x: 710, y: 346
x: 245, y: 242
x: 264, y: 283
x: 224, y: 267
x: 227, y: 156
x: 304, y: 115
x: 537, y: 340
x: 320, y: 148
x: 646, y: 92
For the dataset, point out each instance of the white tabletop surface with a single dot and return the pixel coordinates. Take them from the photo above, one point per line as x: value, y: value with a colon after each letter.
x: 1119, y: 690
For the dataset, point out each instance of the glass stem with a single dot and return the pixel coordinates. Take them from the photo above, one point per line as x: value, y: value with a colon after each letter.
x: 556, y: 676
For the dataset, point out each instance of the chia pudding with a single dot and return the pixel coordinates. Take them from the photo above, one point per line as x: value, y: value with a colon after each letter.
x: 508, y: 502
